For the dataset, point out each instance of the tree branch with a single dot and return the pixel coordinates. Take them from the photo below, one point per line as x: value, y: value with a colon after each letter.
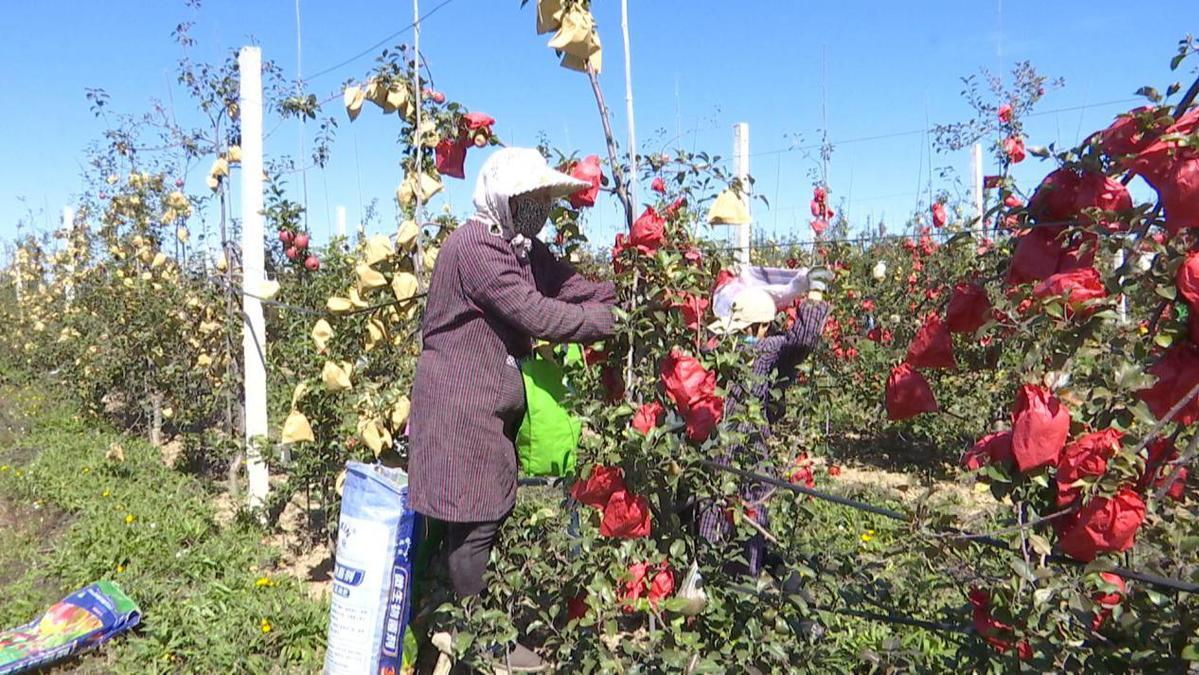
x: 622, y: 190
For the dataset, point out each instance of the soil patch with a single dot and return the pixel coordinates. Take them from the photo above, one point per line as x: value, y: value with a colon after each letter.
x: 29, y: 530
x: 960, y: 498
x: 300, y: 556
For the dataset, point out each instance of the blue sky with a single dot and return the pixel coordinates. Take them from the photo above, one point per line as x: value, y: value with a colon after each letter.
x: 698, y: 67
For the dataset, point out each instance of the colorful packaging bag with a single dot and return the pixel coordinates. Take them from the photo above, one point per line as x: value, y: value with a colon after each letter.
x: 372, y: 580
x: 548, y: 437
x: 81, y: 621
x: 783, y: 284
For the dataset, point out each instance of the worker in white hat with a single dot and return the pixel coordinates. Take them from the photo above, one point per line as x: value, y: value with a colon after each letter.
x: 776, y: 359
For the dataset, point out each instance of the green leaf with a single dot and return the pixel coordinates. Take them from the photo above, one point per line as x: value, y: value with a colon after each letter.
x: 1156, y: 598
x: 1149, y: 93
x: 1163, y: 340
x: 1021, y: 568
x: 1174, y: 62
x: 1167, y: 291
x: 1040, y: 544
x: 678, y: 549
x: 1173, y: 89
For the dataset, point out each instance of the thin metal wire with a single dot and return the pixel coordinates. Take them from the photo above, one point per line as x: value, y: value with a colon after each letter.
x: 1146, y: 577
x: 319, y: 312
x: 943, y: 234
x: 914, y: 132
x: 380, y: 43
x: 891, y: 617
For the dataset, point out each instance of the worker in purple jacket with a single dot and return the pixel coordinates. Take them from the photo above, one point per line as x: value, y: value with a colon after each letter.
x: 495, y: 289
x: 776, y: 359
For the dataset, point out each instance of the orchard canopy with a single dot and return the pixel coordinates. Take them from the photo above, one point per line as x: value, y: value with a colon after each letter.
x: 986, y: 465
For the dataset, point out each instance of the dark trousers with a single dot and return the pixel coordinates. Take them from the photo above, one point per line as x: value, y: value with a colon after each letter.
x: 466, y: 548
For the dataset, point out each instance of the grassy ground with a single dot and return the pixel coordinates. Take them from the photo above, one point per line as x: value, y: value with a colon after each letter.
x: 69, y: 517
x: 216, y: 599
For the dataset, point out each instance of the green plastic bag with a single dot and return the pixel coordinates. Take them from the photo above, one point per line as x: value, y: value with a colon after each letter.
x: 549, y: 435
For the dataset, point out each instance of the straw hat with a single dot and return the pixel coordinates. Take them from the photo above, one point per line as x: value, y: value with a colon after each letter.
x: 752, y: 305
x: 516, y: 171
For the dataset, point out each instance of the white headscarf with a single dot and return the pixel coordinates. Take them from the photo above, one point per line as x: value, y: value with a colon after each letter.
x: 510, y: 172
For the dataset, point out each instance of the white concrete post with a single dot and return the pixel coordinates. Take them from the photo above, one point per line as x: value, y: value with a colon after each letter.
x: 628, y: 101
x: 741, y: 168
x: 249, y: 62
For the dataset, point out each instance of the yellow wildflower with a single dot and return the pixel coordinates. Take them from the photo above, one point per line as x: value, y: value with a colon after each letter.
x: 867, y: 536
x: 263, y: 581
x: 106, y: 493
x: 129, y: 518
x: 266, y: 626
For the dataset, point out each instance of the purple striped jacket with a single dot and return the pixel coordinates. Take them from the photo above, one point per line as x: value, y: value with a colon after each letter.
x: 484, y: 308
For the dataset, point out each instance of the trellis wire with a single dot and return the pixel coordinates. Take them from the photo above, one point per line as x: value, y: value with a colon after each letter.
x: 380, y: 43
x: 943, y: 234
x: 1149, y: 578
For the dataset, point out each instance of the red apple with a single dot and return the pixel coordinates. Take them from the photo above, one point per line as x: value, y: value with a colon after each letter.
x: 292, y: 253
x: 436, y: 96
x: 301, y: 241
x: 480, y: 140
x: 286, y: 236
x: 313, y: 263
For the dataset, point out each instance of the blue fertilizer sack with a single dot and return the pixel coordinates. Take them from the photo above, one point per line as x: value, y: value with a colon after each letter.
x: 372, y: 578
x: 81, y: 621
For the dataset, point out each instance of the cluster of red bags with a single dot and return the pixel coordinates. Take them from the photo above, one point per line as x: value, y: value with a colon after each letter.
x: 694, y: 307
x: 693, y: 390
x: 1171, y: 169
x: 993, y: 631
x: 908, y: 393
x: 625, y: 515
x: 1039, y: 435
x: 450, y: 154
x: 647, y: 236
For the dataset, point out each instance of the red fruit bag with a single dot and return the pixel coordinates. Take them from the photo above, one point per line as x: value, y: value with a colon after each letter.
x: 1035, y: 258
x: 599, y: 487
x: 702, y: 416
x: 451, y: 157
x: 1177, y: 373
x: 908, y: 394
x: 1188, y: 279
x: 990, y: 449
x: 1105, y: 525
x: 932, y: 347
x: 648, y: 416
x: 586, y: 170
x: 969, y: 308
x: 1040, y: 426
x: 1076, y: 287
x: 685, y: 379
x: 626, y: 516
